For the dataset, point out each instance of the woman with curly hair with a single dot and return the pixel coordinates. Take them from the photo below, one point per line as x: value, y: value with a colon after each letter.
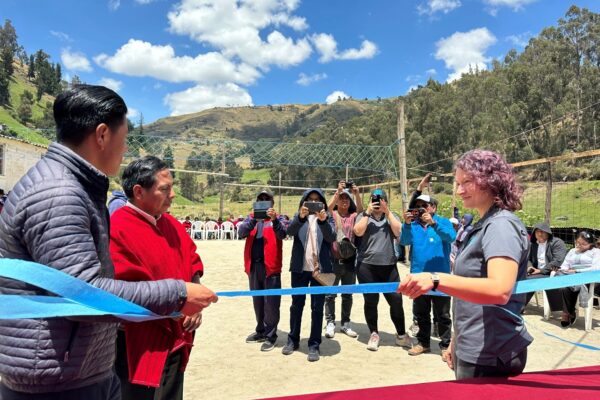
x: 490, y: 338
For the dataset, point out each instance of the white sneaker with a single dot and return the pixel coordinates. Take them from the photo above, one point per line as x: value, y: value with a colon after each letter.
x: 330, y: 330
x: 403, y: 341
x: 373, y: 344
x: 348, y: 331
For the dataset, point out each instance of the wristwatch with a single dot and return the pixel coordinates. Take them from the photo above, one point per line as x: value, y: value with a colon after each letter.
x: 435, y: 278
x: 182, y: 299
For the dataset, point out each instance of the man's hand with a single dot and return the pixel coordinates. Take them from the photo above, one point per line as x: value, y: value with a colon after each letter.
x: 322, y: 215
x: 408, y: 217
x: 424, y: 182
x: 428, y: 219
x: 198, y: 298
x: 271, y: 213
x: 303, y: 212
x: 534, y: 271
x: 341, y: 187
x: 193, y: 322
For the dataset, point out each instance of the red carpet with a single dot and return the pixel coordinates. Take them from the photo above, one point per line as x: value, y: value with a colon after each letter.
x: 561, y: 384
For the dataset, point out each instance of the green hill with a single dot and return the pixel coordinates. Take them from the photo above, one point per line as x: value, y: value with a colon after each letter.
x: 8, y: 114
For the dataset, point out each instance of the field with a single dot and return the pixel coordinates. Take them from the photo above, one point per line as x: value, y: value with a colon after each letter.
x: 223, y: 366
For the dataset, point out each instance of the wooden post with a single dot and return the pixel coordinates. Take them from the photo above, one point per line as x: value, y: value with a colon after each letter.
x: 347, y: 175
x: 548, y: 210
x: 221, y: 191
x: 402, y: 156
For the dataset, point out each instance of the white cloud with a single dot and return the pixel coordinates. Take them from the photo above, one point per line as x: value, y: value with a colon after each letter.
x: 63, y: 37
x: 144, y: 2
x: 435, y: 6
x: 113, y: 5
x: 431, y: 71
x: 520, y: 40
x: 327, y: 46
x: 157, y: 86
x: 234, y: 28
x: 75, y: 61
x: 335, y: 96
x: 412, y: 78
x: 139, y: 58
x: 516, y: 5
x: 411, y: 88
x: 202, y: 97
x: 110, y: 83
x: 306, y: 80
x: 132, y: 113
x: 464, y: 50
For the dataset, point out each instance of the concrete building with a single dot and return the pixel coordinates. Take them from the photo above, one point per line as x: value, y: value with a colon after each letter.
x: 16, y: 157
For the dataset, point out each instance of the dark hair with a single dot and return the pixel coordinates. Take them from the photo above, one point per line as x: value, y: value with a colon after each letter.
x: 588, y: 237
x: 141, y: 172
x: 79, y: 110
x: 493, y: 174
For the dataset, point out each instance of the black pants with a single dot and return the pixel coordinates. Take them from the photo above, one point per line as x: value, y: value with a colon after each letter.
x: 553, y: 295
x: 345, y: 274
x: 569, y: 299
x: 171, y: 383
x: 422, y: 307
x: 108, y: 389
x: 368, y: 273
x: 305, y: 279
x: 513, y: 367
x: 266, y: 308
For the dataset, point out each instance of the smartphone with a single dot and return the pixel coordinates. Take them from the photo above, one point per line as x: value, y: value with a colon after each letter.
x: 260, y: 209
x: 314, y: 207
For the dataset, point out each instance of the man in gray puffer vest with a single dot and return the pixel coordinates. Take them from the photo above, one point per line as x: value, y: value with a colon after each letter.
x: 56, y: 215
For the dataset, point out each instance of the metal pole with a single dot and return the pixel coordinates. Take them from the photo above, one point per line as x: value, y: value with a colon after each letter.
x: 221, y: 191
x: 347, y: 174
x: 402, y: 156
x: 548, y: 208
x: 280, y: 193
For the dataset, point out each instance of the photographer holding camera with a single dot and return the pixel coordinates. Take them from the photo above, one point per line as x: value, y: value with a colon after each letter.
x: 344, y: 254
x: 314, y: 232
x: 376, y: 262
x: 430, y: 237
x: 264, y: 231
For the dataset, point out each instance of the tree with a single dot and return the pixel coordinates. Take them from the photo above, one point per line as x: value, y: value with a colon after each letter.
x: 8, y: 37
x: 31, y: 69
x: 4, y: 88
x: 168, y: 158
x: 6, y: 59
x: 75, y: 80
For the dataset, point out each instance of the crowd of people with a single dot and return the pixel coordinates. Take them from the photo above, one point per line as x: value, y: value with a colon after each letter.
x: 58, y: 215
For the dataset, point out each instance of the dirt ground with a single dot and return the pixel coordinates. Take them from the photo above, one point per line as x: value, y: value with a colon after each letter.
x: 223, y: 366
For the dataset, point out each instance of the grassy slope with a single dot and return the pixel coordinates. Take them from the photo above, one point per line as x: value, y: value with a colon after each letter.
x: 18, y: 84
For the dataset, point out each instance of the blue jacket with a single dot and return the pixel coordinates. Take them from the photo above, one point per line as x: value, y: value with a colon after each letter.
x: 430, y: 247
x: 326, y: 235
x: 117, y: 200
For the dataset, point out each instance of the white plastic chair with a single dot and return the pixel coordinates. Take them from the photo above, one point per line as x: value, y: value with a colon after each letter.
x: 211, y: 227
x: 227, y: 228
x: 547, y: 310
x: 197, y: 227
x: 590, y: 308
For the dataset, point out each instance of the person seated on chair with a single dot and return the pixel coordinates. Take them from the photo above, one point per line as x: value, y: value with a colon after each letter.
x: 187, y: 224
x: 546, y: 254
x: 582, y: 258
x: 313, y: 231
x: 262, y: 262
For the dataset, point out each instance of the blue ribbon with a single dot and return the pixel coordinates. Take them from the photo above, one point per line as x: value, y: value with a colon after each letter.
x: 78, y: 298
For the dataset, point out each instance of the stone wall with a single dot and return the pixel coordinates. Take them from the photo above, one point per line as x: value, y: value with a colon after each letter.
x: 17, y: 157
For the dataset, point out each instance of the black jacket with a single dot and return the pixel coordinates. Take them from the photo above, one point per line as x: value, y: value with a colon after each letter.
x: 555, y: 249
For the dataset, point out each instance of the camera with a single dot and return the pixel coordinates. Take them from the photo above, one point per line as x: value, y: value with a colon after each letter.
x: 417, y: 212
x: 314, y: 207
x: 260, y: 209
x: 433, y: 178
x: 348, y: 184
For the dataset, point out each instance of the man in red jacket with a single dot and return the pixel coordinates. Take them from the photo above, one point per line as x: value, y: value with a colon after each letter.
x: 262, y: 262
x: 147, y: 244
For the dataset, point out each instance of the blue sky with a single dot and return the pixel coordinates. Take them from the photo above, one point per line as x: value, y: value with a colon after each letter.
x: 176, y: 57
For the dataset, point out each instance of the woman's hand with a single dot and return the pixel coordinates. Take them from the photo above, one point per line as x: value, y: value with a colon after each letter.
x: 322, y: 215
x: 414, y: 285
